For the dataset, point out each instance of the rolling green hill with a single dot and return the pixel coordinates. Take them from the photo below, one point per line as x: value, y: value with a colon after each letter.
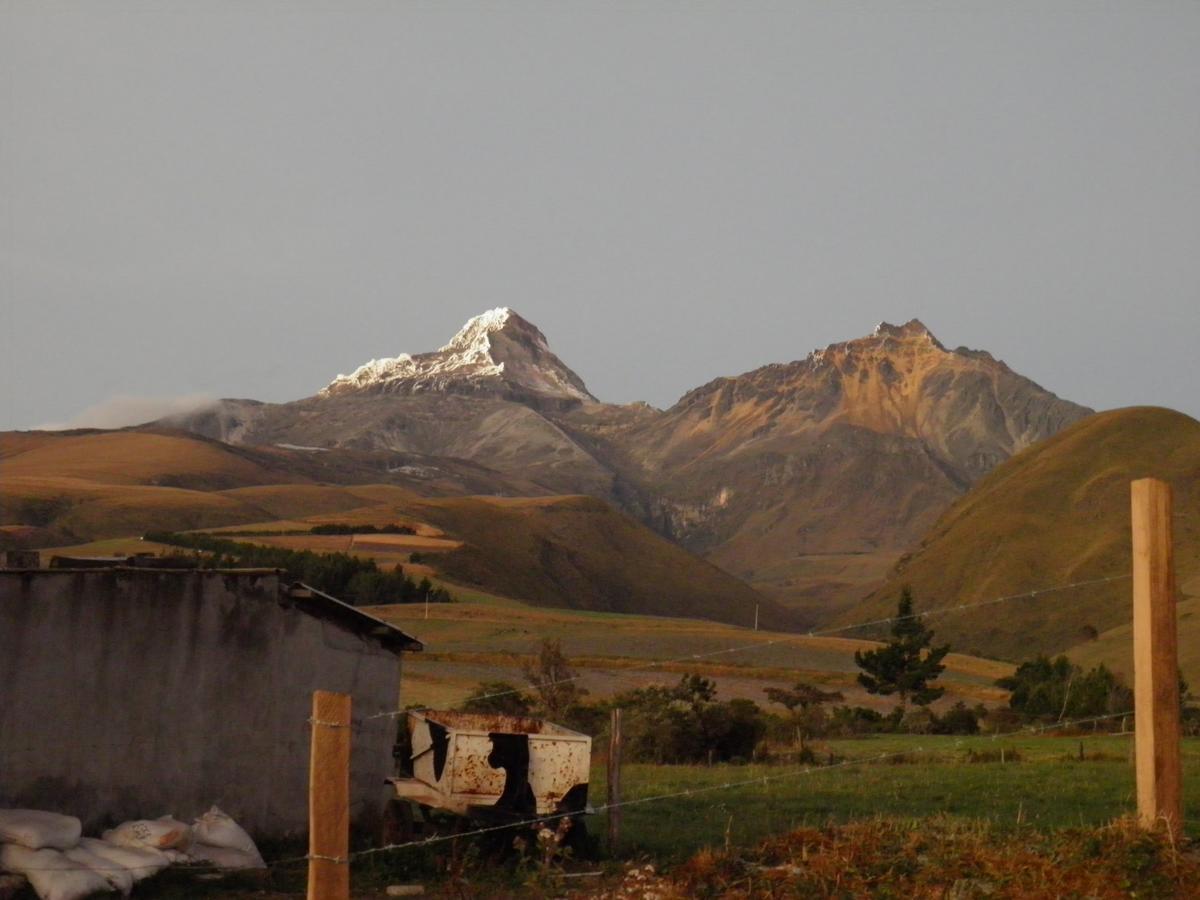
x: 1054, y: 514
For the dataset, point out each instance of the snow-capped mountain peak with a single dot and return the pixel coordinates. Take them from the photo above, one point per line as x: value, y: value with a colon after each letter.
x: 495, y: 351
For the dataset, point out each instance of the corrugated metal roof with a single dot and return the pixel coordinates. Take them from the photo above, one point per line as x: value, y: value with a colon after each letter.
x: 322, y: 605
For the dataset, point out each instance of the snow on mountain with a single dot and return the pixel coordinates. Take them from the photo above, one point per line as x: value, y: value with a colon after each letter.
x: 497, y: 349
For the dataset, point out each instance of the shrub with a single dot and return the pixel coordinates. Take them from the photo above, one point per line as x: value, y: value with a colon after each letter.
x: 958, y: 719
x: 498, y: 698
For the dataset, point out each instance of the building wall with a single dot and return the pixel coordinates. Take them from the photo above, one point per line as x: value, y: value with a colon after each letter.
x: 133, y: 694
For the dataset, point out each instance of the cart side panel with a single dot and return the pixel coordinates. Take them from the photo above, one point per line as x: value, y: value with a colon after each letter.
x: 473, y: 775
x: 432, y: 746
x: 556, y: 766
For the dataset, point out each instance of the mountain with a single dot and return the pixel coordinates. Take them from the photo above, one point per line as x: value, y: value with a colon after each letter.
x: 490, y: 396
x: 497, y: 353
x: 806, y: 479
x: 1055, y: 514
x: 809, y: 478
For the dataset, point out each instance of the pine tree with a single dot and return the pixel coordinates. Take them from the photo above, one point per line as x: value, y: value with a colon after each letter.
x: 907, y: 663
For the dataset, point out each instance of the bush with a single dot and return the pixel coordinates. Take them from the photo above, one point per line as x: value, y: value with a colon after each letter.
x: 1058, y: 689
x: 687, y: 724
x: 919, y: 721
x: 498, y: 698
x: 958, y: 719
x: 854, y: 720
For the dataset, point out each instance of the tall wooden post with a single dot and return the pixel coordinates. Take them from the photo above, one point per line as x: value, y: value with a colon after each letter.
x: 1155, y: 658
x: 614, y: 781
x: 329, y: 798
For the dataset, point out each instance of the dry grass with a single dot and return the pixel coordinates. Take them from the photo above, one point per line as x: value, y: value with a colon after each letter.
x: 935, y: 858
x: 129, y: 457
x: 486, y: 638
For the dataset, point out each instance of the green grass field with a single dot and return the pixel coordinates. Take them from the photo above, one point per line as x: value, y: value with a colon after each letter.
x: 1041, y: 785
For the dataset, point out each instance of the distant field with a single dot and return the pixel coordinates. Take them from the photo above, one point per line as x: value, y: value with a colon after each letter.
x: 358, y: 544
x: 487, y: 638
x: 818, y: 585
x: 109, y: 547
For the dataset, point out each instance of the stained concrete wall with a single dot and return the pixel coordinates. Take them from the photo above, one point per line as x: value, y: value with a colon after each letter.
x: 131, y: 694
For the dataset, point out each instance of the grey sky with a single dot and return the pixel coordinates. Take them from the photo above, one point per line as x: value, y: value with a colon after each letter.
x: 246, y: 199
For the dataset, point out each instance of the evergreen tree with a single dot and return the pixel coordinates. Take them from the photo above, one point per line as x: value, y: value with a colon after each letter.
x: 907, y: 664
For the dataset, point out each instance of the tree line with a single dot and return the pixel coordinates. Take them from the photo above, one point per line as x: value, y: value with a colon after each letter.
x: 352, y: 579
x: 686, y: 722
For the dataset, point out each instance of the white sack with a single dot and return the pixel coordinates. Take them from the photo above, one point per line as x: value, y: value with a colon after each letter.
x: 157, y: 834
x: 114, y: 873
x: 52, y: 875
x: 216, y: 829
x: 37, y: 830
x: 141, y: 862
x: 226, y: 857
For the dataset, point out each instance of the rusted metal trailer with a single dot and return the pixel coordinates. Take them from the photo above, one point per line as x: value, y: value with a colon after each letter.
x: 495, y: 768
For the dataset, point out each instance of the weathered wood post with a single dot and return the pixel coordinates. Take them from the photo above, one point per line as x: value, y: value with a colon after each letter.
x: 614, y: 781
x: 329, y: 798
x: 1155, y: 658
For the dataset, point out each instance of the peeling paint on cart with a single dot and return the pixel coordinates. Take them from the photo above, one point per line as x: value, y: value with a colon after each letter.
x: 469, y: 764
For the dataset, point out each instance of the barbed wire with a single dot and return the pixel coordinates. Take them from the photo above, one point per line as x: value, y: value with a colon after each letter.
x: 729, y: 785
x: 606, y: 807
x: 764, y: 779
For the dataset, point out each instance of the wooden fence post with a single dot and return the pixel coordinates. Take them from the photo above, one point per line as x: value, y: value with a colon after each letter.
x: 614, y: 781
x: 1155, y: 658
x: 329, y: 798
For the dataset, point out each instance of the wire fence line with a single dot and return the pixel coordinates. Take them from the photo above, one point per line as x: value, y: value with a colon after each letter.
x: 625, y: 673
x: 703, y: 789
x: 794, y: 772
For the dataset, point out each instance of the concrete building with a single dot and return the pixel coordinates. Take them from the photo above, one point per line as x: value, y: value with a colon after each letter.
x: 132, y: 693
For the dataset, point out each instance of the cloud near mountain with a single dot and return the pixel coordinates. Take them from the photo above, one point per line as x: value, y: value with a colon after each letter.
x: 121, y: 410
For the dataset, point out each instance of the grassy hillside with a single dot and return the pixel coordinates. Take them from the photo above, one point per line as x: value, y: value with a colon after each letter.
x: 130, y: 457
x: 1053, y: 514
x: 551, y: 551
x: 1114, y: 647
x: 90, y: 484
x: 580, y: 552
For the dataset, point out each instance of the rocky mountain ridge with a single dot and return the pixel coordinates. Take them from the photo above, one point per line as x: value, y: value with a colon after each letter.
x: 496, y: 352
x: 806, y: 479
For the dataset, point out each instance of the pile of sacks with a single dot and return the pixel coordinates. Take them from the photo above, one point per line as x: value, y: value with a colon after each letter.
x: 50, y: 851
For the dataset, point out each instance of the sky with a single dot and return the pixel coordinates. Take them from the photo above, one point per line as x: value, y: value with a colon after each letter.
x: 244, y: 200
